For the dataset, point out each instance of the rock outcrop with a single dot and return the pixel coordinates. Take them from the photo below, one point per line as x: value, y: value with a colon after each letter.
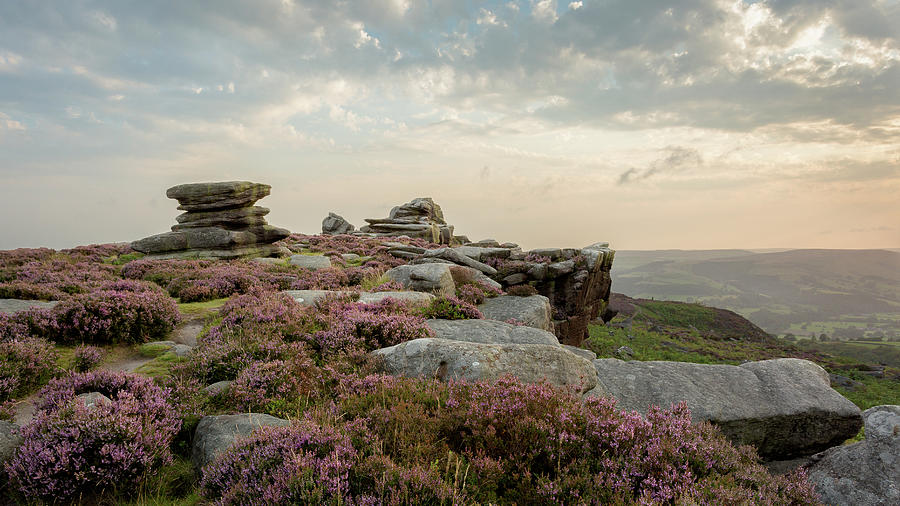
x: 784, y: 407
x: 311, y: 297
x: 335, y: 224
x: 431, y: 278
x: 864, y: 473
x: 214, y: 434
x: 420, y: 218
x: 489, y: 332
x: 449, y: 359
x: 533, y: 311
x: 220, y: 221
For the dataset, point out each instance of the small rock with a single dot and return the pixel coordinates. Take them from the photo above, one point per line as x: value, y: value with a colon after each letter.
x: 311, y: 262
x: 533, y: 311
x: 217, y: 388
x: 625, y: 352
x: 214, y: 434
x: 431, y: 278
x: 92, y: 399
x: 11, y: 306
x: 515, y: 279
x: 182, y: 350
x: 334, y: 224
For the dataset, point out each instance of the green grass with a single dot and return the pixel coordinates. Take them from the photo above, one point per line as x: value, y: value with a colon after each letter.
x: 875, y: 392
x: 677, y: 315
x: 369, y: 284
x: 161, y: 366
x: 194, y: 309
x: 172, y: 485
x: 153, y: 350
x: 122, y: 259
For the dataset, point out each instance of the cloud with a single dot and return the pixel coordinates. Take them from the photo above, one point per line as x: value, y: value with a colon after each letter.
x: 674, y: 160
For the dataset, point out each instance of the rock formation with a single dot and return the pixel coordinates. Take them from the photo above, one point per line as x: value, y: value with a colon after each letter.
x: 420, y: 218
x: 220, y: 221
x: 334, y: 224
x: 784, y: 407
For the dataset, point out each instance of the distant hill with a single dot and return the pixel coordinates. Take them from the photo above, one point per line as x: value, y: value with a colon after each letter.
x: 846, y: 294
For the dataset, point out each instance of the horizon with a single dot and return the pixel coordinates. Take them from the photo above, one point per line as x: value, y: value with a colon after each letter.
x: 541, y: 122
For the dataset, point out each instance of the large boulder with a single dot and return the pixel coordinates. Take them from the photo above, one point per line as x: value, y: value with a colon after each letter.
x: 784, y: 407
x: 420, y: 218
x: 214, y: 434
x: 533, y: 311
x: 431, y: 278
x: 448, y: 359
x: 489, y: 332
x: 221, y: 222
x: 863, y: 473
x: 335, y: 224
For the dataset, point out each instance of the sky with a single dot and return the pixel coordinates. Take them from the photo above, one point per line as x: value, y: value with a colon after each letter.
x: 649, y: 124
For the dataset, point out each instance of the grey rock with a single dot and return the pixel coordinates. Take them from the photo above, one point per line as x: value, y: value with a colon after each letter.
x: 538, y: 272
x: 10, y: 440
x: 311, y: 297
x: 208, y: 238
x: 489, y: 332
x: 551, y: 253
x: 415, y: 298
x: 431, y: 278
x: 784, y: 407
x: 399, y: 253
x: 335, y: 224
x: 558, y: 269
x: 350, y: 257
x: 269, y: 261
x: 399, y: 246
x: 458, y: 258
x: 515, y: 279
x: 485, y: 243
x: 182, y: 350
x: 446, y: 359
x: 423, y: 207
x: 257, y: 250
x: 509, y: 245
x: 218, y: 195
x: 481, y: 254
x: 533, y: 311
x: 93, y: 399
x: 242, y: 217
x: 844, y: 382
x: 311, y: 262
x: 217, y: 388
x: 624, y: 352
x: 11, y: 306
x: 581, y: 352
x: 214, y: 434
x: 863, y: 473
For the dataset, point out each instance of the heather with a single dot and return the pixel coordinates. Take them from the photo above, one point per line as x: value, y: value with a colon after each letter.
x: 451, y: 308
x: 502, y: 443
x: 72, y: 451
x: 25, y: 364
x: 86, y: 357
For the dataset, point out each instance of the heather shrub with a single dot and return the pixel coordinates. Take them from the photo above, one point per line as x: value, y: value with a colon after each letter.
x: 354, y: 327
x: 25, y: 364
x: 522, y: 290
x: 106, y: 316
x: 265, y: 385
x: 71, y: 451
x: 451, y: 308
x: 301, y: 464
x: 332, y: 278
x: 537, y: 259
x: 86, y: 357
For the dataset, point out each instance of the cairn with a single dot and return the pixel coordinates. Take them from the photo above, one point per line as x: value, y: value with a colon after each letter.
x: 220, y: 221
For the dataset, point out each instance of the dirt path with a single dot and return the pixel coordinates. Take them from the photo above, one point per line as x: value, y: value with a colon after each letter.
x: 185, y: 333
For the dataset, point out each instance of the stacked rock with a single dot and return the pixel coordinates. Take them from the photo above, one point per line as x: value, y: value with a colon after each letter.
x: 420, y: 218
x: 220, y: 221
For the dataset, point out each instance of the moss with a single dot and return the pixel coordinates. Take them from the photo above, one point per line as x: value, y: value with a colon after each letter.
x: 160, y: 366
x: 194, y: 309
x: 152, y: 350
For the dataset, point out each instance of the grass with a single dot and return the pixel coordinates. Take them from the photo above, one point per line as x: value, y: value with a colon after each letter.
x: 679, y: 315
x: 153, y: 350
x: 875, y: 391
x: 196, y: 309
x: 161, y: 366
x: 369, y: 284
x: 172, y: 485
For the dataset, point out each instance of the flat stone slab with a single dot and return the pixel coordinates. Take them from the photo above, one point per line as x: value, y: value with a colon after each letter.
x: 532, y: 311
x: 217, y: 195
x: 11, y: 306
x: 784, y: 407
x: 481, y: 254
x: 311, y: 262
x: 257, y: 251
x: 448, y: 359
x: 430, y: 278
x: 214, y: 434
x: 311, y: 297
x: 208, y: 238
x: 489, y: 332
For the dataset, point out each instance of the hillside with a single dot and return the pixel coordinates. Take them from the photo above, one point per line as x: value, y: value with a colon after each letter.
x: 845, y: 294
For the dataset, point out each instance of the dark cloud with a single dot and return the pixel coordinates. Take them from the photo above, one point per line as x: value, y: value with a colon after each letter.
x: 674, y: 159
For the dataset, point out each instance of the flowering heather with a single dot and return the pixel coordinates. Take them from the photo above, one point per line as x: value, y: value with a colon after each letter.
x: 263, y: 383
x: 366, y: 327
x: 388, y: 286
x: 451, y: 308
x: 302, y: 464
x: 332, y: 278
x: 526, y: 444
x: 71, y: 451
x: 86, y: 357
x: 55, y: 278
x: 25, y: 364
x: 538, y: 259
x: 106, y: 316
x: 522, y: 290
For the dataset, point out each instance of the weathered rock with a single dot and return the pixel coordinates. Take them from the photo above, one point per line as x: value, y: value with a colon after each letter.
x: 581, y: 352
x: 10, y: 306
x: 431, y: 278
x: 335, y: 224
x: 515, y: 279
x: 217, y: 388
x: 863, y: 473
x: 784, y: 407
x: 93, y: 399
x: 414, y: 298
x: 489, y: 332
x: 533, y: 311
x: 481, y: 254
x: 311, y: 262
x: 270, y: 261
x: 421, y: 218
x: 419, y: 208
x: 551, y: 253
x: 221, y: 222
x: 446, y: 359
x: 214, y: 434
x: 624, y: 352
x: 218, y: 195
x: 182, y: 350
x: 10, y: 440
x: 458, y: 258
x: 311, y: 297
